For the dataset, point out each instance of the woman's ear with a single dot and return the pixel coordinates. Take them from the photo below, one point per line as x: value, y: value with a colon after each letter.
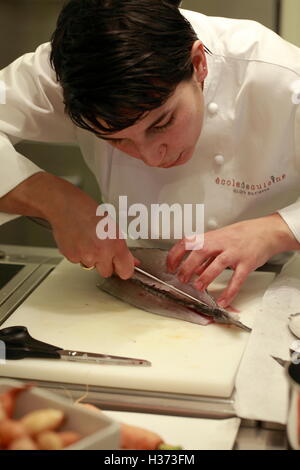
x: 198, y: 58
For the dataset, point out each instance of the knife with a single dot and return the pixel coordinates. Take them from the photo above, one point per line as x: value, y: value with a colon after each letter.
x: 169, y: 286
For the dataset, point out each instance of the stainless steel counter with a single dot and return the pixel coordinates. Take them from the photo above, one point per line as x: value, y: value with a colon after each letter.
x: 22, y: 269
x: 261, y: 436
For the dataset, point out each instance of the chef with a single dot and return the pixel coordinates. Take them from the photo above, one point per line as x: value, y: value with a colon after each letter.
x: 167, y: 106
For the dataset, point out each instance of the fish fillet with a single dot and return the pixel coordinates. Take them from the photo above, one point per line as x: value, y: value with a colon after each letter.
x: 146, y: 294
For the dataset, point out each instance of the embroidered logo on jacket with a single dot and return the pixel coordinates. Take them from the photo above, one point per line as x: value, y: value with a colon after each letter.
x: 243, y: 187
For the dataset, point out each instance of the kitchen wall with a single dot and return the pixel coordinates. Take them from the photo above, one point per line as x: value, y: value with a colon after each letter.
x: 290, y: 21
x: 264, y: 11
x: 24, y: 24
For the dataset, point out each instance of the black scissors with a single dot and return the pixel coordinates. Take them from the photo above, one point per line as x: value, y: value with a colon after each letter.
x: 19, y: 344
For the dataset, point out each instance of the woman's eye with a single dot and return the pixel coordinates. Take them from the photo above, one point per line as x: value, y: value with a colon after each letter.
x: 165, y: 126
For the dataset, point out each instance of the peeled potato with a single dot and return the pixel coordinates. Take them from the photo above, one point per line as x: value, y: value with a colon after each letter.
x: 34, y: 431
x: 23, y: 443
x: 42, y: 420
x: 49, y: 440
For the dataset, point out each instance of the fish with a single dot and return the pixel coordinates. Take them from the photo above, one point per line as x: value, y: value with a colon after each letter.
x: 151, y: 296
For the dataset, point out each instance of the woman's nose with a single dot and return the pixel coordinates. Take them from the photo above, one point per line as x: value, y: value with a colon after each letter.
x: 153, y: 155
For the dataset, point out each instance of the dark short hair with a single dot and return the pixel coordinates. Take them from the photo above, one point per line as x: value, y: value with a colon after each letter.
x: 118, y: 59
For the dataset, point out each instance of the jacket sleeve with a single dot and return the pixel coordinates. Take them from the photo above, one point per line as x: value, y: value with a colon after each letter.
x: 31, y: 108
x: 291, y: 213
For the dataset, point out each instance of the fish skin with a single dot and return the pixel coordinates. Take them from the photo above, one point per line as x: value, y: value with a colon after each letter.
x: 140, y: 297
x: 162, y: 291
x: 217, y: 314
x: 144, y: 293
x: 154, y: 261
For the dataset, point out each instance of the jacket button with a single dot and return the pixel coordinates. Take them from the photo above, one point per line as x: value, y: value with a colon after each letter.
x: 219, y: 159
x: 212, y: 224
x: 213, y: 108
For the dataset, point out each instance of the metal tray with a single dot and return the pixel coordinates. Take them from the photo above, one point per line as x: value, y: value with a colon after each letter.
x: 22, y: 269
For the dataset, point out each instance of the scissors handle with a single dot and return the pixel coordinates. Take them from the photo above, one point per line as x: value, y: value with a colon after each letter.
x: 19, y: 344
x: 21, y: 353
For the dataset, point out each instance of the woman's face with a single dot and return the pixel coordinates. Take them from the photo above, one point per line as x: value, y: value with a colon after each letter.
x: 167, y: 136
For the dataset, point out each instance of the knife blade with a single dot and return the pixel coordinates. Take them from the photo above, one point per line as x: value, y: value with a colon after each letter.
x: 169, y: 286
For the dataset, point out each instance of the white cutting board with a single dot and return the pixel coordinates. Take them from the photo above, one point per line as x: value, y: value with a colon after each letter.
x: 69, y: 311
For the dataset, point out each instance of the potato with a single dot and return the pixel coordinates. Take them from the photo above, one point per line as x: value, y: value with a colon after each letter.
x: 42, y: 420
x: 49, y: 440
x: 23, y: 443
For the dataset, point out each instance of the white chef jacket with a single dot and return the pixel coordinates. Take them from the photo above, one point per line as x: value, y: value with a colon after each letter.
x: 247, y: 159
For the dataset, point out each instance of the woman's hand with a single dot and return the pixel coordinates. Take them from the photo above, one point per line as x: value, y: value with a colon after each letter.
x: 72, y: 215
x: 75, y: 232
x: 77, y: 240
x: 244, y: 247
